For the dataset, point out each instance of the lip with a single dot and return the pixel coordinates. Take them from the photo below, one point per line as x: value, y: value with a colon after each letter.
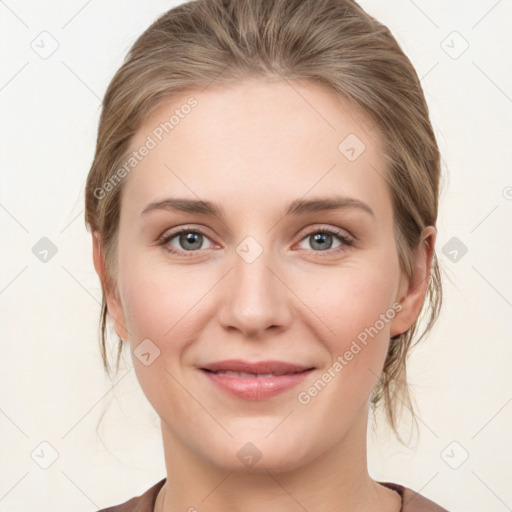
x: 239, y: 365
x: 287, y: 376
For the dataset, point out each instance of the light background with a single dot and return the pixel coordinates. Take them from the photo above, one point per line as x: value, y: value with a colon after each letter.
x: 53, y: 387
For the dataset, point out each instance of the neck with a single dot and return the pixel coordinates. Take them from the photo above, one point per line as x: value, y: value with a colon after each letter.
x: 336, y: 480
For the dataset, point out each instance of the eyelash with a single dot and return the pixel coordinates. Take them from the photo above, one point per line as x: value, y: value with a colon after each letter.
x: 345, y: 240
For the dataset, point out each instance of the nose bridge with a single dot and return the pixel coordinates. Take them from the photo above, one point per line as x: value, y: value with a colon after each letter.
x: 256, y: 298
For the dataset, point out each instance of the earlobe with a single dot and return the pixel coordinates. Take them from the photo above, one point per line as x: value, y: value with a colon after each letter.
x: 111, y: 296
x: 412, y: 299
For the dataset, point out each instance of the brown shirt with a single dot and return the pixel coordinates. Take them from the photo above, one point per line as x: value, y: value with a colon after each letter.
x: 411, y: 500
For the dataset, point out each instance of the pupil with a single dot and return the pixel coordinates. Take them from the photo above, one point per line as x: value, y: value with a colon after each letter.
x: 320, y: 238
x: 192, y: 238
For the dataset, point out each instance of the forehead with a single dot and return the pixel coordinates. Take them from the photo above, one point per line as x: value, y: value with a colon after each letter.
x: 259, y: 143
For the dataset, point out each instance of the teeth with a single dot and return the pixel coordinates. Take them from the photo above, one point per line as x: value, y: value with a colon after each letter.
x: 244, y: 374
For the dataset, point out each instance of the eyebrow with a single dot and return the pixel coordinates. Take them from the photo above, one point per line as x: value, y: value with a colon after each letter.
x: 296, y: 207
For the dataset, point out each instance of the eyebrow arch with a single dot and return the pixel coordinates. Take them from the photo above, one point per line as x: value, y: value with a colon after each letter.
x: 296, y: 207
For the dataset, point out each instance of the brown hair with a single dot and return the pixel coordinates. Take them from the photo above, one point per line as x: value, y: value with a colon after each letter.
x: 330, y: 42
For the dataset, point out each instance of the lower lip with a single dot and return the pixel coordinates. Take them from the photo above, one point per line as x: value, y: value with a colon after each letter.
x: 256, y: 388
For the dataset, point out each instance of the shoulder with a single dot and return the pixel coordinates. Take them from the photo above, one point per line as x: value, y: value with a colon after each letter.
x: 413, y: 501
x: 142, y: 503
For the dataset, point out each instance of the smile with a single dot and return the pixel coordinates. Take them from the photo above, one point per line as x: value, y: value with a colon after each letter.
x: 254, y: 386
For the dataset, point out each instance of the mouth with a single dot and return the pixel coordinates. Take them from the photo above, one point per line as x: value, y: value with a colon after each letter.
x: 255, y: 381
x: 247, y: 375
x: 257, y: 368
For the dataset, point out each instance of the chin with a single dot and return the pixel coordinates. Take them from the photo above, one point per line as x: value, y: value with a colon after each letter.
x: 255, y: 454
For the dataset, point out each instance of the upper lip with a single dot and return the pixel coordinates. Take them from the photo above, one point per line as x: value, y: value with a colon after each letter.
x: 258, y: 367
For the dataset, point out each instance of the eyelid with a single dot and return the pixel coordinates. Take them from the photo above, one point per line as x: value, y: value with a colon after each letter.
x: 345, y: 238
x: 171, y: 233
x: 328, y: 229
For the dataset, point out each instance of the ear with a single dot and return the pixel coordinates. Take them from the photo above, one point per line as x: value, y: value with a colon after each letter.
x: 111, y: 296
x: 412, y: 291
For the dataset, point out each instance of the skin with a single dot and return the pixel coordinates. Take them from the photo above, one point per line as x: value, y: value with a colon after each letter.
x: 252, y: 148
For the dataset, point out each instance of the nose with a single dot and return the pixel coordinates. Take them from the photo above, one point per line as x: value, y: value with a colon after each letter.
x: 255, y: 296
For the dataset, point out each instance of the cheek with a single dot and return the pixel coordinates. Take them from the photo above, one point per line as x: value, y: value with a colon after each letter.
x: 156, y: 298
x: 352, y: 299
x: 357, y: 307
x: 160, y: 306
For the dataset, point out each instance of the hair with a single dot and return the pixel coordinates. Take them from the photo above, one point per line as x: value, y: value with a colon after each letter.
x: 334, y: 43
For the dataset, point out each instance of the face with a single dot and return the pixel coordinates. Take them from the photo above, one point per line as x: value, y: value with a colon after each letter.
x: 298, y: 264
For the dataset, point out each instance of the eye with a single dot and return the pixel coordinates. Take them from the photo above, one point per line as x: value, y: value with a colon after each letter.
x: 188, y: 240
x: 321, y: 239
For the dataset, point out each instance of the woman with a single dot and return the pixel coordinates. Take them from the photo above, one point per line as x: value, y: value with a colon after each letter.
x: 289, y: 143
